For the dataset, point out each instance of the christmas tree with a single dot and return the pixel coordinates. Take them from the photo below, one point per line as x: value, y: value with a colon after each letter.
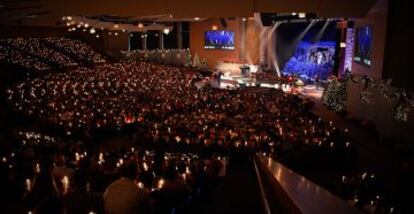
x: 334, y: 95
x: 187, y: 58
x: 196, y: 63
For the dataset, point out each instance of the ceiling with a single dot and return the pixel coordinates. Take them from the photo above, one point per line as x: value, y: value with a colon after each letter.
x: 49, y: 12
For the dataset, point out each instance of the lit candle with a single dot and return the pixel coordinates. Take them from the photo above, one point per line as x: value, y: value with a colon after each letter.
x: 65, y: 182
x: 145, y: 166
x: 141, y: 185
x: 28, y: 185
x: 37, y: 168
x: 161, y: 183
x: 77, y: 156
x: 187, y: 170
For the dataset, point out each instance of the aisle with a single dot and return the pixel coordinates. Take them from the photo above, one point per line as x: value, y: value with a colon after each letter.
x: 239, y: 193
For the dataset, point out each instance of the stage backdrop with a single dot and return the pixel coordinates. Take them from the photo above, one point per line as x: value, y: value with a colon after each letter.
x: 307, y: 53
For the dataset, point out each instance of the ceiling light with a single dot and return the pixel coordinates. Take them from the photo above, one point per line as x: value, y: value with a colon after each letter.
x: 302, y: 15
x: 342, y: 45
x: 244, y: 19
x: 86, y: 25
x: 69, y: 18
x: 123, y: 30
x: 197, y: 18
x: 166, y: 31
x: 116, y: 26
x: 92, y: 30
x: 294, y: 14
x: 97, y: 36
x: 116, y: 33
x: 214, y: 27
x: 140, y: 25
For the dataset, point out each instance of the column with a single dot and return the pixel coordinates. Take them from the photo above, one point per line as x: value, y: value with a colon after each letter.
x: 242, y: 42
x: 179, y: 35
x: 161, y: 40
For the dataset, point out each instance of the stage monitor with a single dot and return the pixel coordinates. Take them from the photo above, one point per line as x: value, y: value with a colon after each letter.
x: 363, y: 46
x: 219, y: 39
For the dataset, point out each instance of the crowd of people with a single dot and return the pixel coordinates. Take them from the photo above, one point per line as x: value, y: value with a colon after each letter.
x: 35, y: 49
x: 77, y: 49
x: 158, y: 98
x: 182, y: 134
x: 42, y: 54
x: 365, y: 191
x: 44, y: 174
x: 11, y: 55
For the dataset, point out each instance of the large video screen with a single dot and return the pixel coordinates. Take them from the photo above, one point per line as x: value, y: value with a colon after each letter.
x: 363, y: 45
x: 219, y: 39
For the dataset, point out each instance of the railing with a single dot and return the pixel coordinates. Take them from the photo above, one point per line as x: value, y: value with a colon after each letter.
x: 285, y: 191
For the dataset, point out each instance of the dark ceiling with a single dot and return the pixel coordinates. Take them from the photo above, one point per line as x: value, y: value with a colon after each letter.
x: 48, y: 12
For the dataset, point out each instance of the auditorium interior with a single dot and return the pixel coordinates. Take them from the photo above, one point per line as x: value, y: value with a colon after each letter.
x: 219, y: 106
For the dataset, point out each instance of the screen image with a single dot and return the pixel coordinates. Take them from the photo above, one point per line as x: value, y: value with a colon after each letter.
x: 363, y: 45
x: 219, y: 39
x: 307, y: 50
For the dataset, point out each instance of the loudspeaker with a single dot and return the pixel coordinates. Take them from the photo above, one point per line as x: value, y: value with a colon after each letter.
x: 223, y: 22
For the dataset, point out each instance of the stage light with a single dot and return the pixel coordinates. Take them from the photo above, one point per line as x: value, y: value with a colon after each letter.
x: 302, y: 15
x: 92, y: 30
x: 140, y: 25
x: 214, y: 27
x: 196, y: 18
x: 166, y: 31
x: 342, y: 45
